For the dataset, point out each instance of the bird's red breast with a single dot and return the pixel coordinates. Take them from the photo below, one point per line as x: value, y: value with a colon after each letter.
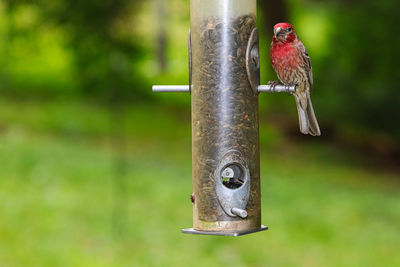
x: 286, y: 54
x: 285, y: 58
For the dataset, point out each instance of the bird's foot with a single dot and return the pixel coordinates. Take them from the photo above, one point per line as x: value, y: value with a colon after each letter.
x: 273, y: 84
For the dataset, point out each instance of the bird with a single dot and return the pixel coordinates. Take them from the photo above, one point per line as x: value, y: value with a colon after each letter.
x: 292, y: 65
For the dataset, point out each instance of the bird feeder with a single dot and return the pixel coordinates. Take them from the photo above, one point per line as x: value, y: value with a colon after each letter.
x: 224, y: 83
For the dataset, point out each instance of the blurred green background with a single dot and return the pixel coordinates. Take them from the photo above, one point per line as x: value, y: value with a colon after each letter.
x: 95, y: 169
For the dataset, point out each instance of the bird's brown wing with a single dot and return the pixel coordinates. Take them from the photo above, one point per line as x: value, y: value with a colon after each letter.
x: 307, y: 64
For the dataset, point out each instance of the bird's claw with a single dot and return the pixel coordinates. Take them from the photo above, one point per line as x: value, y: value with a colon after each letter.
x: 273, y: 84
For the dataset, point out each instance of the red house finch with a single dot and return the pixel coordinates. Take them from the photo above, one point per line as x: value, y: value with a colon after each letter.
x: 292, y: 65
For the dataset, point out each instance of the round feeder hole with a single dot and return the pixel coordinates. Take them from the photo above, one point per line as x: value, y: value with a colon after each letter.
x: 232, y: 176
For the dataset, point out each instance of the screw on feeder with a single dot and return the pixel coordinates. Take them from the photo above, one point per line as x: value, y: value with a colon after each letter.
x: 228, y: 172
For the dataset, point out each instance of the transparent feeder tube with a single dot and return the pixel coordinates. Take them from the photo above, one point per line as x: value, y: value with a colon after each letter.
x: 224, y: 116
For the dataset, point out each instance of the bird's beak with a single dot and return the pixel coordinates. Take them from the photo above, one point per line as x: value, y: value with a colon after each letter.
x: 277, y: 31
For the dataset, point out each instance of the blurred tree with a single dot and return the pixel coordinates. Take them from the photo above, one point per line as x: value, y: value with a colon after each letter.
x: 359, y: 75
x: 161, y: 36
x: 100, y: 36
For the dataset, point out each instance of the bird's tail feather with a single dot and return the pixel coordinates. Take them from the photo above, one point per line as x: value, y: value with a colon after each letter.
x: 312, y: 120
x: 307, y: 121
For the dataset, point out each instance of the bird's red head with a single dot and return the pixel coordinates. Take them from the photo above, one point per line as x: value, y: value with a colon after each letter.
x: 284, y: 33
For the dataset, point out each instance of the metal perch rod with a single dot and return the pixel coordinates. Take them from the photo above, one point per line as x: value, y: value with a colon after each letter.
x: 269, y: 88
x: 171, y: 88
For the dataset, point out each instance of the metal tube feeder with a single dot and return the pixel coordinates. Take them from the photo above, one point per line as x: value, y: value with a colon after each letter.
x: 224, y: 86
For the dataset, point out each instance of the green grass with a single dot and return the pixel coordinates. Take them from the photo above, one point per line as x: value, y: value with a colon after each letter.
x: 67, y: 201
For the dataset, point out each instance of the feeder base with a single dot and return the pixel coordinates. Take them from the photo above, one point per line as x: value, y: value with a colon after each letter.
x: 234, y: 233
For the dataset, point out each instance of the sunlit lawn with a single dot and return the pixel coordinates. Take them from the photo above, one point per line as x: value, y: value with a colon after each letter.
x: 70, y: 198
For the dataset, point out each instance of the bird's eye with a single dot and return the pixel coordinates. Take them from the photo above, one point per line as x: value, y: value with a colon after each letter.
x: 290, y: 29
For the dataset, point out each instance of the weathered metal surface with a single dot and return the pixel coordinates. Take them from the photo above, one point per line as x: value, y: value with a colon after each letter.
x: 190, y: 60
x: 224, y: 118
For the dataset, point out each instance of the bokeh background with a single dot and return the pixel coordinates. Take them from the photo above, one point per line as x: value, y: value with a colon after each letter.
x: 95, y: 169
